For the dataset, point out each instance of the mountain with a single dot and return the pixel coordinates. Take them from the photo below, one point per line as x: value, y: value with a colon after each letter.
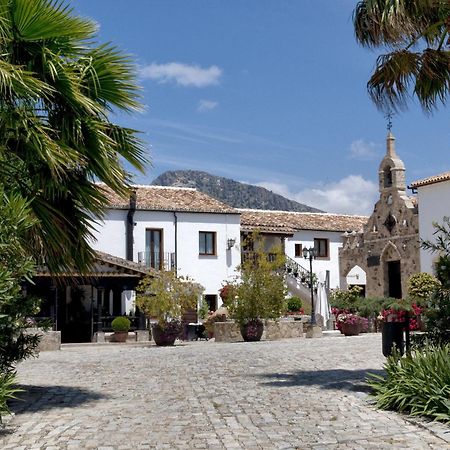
x: 238, y: 195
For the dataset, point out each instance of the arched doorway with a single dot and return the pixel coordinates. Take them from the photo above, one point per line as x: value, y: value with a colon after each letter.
x: 357, y: 277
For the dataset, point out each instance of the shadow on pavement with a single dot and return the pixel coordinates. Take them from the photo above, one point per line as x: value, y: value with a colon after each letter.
x: 42, y: 398
x: 350, y: 380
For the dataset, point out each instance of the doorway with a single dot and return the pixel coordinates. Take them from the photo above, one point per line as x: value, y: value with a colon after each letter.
x: 394, y: 279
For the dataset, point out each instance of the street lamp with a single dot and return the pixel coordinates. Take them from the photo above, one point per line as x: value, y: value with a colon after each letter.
x: 310, y: 253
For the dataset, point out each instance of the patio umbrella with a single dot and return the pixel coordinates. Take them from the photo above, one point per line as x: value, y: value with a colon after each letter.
x: 322, y: 308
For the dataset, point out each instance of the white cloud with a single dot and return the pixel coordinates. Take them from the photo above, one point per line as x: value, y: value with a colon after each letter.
x: 182, y: 74
x: 206, y: 105
x: 350, y: 195
x: 361, y: 149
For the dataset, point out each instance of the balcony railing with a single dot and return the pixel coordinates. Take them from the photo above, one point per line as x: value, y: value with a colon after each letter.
x: 156, y: 260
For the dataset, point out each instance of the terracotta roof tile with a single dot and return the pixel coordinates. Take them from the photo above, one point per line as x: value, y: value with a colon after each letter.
x: 162, y: 198
x: 286, y: 222
x: 431, y: 180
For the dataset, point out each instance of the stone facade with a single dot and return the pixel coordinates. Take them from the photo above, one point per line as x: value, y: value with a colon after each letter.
x: 388, y: 247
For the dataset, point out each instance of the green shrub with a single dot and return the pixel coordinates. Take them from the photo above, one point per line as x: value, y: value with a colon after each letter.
x: 7, y: 391
x: 418, y: 384
x: 294, y: 304
x: 370, y: 307
x: 121, y: 324
x: 345, y: 299
x: 420, y: 287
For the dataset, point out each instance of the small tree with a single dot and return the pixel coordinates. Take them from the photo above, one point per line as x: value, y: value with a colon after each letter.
x: 166, y: 297
x: 260, y: 292
x: 16, y: 267
x: 438, y: 308
x: 420, y: 287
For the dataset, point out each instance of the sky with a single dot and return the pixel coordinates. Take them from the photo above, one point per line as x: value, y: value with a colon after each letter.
x: 267, y: 92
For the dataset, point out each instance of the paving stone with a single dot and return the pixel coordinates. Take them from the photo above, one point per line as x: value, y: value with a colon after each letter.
x: 291, y: 394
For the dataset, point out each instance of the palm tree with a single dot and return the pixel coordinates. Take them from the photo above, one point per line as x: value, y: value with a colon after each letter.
x: 57, y: 89
x: 416, y: 34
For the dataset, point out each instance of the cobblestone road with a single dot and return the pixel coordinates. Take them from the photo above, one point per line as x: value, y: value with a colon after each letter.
x: 296, y: 394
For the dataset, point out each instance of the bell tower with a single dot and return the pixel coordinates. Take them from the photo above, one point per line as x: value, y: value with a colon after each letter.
x: 391, y: 173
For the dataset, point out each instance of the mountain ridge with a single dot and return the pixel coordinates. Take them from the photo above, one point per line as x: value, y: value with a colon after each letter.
x: 227, y: 190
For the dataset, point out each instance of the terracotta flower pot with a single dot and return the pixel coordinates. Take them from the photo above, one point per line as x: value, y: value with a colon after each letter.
x: 120, y: 336
x: 252, y: 330
x: 350, y: 329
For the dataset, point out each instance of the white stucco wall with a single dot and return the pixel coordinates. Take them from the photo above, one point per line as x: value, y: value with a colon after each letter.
x: 110, y: 233
x: 306, y: 238
x: 209, y: 271
x: 434, y: 204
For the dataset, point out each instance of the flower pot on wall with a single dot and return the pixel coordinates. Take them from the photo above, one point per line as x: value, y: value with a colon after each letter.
x: 252, y: 330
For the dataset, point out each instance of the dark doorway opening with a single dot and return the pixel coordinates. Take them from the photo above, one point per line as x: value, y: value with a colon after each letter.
x: 394, y: 279
x: 211, y: 300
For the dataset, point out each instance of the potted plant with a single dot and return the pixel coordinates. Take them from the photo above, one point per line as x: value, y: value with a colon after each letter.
x: 395, y: 320
x: 260, y: 292
x: 349, y: 324
x: 165, y: 297
x: 294, y: 306
x: 120, y: 326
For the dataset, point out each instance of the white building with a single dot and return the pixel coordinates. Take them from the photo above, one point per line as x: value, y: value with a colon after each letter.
x: 174, y: 228
x: 433, y: 195
x: 295, y: 231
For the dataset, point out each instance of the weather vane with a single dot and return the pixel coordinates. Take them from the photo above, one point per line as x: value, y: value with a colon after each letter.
x: 388, y: 117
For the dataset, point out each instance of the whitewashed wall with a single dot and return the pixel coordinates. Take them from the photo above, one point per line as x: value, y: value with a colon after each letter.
x: 110, y: 234
x: 434, y: 204
x: 209, y: 271
x: 306, y: 238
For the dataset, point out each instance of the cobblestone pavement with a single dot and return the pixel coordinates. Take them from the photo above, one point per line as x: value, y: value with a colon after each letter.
x: 293, y: 394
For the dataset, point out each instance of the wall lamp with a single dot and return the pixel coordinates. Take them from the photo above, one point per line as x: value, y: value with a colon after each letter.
x: 230, y: 243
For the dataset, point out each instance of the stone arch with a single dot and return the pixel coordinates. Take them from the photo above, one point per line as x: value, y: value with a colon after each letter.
x: 387, y: 176
x: 390, y: 252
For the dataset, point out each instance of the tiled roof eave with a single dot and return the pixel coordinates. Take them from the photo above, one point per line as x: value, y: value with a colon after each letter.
x: 180, y: 210
x: 431, y: 180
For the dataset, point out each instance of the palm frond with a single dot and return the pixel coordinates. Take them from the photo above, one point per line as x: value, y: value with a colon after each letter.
x: 390, y: 83
x: 109, y: 77
x: 432, y: 84
x: 47, y: 19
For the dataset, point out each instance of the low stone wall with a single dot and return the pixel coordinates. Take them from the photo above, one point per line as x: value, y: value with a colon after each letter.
x: 49, y: 340
x: 133, y: 336
x: 273, y: 330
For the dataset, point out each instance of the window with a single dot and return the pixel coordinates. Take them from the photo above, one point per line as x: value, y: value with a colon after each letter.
x: 298, y: 250
x: 207, y: 243
x: 153, y: 248
x: 321, y: 247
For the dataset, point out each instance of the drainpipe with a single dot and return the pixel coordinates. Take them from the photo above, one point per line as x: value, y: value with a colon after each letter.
x: 175, y: 217
x: 130, y: 227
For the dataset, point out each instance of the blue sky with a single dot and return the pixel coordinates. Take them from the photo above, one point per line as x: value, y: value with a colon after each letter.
x: 270, y: 92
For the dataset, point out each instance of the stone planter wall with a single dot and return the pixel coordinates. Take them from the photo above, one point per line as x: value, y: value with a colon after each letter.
x: 133, y: 336
x: 50, y: 340
x: 273, y: 330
